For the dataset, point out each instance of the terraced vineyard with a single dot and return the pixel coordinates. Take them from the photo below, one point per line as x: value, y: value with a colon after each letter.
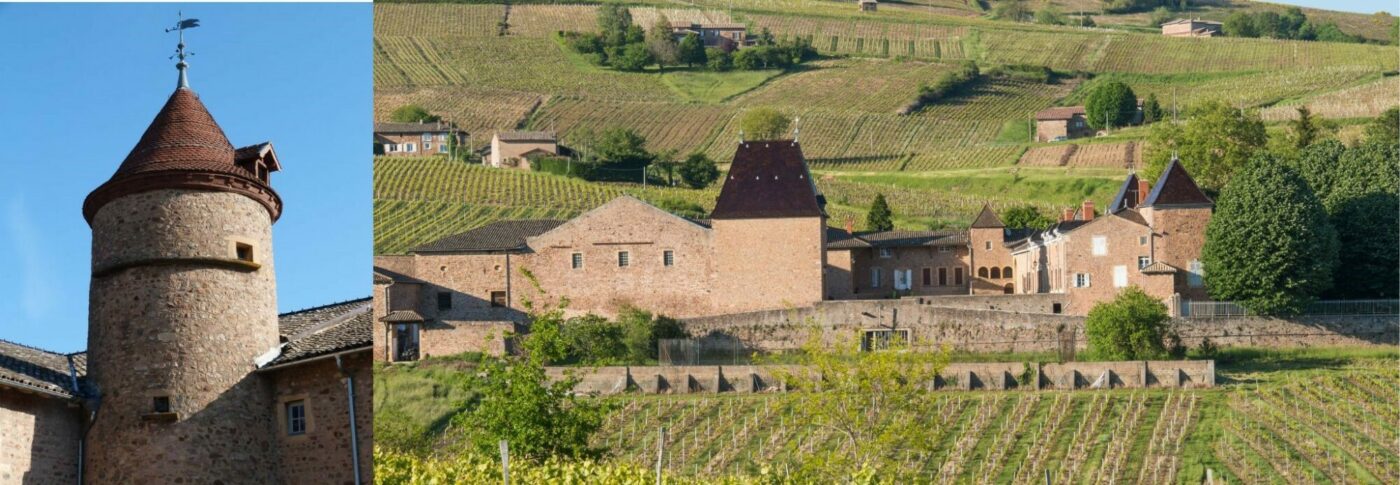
x: 1336, y: 428
x: 1246, y: 88
x: 1366, y: 100
x: 682, y: 127
x: 480, y: 111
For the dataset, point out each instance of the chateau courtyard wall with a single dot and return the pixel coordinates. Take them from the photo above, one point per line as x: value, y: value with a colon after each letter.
x: 38, y: 438
x: 323, y: 453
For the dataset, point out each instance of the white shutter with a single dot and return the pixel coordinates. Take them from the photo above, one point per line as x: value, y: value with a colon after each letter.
x: 1120, y: 276
x: 1100, y: 244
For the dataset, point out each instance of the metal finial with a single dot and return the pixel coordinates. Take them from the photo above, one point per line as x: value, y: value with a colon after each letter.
x: 180, y: 25
x: 796, y: 128
x: 741, y: 136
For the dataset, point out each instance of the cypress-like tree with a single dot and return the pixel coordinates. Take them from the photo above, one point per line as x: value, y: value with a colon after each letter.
x: 1270, y: 246
x: 1151, y: 109
x: 880, y: 217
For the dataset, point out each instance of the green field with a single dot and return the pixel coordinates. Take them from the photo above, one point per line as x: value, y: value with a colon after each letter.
x: 1319, y: 415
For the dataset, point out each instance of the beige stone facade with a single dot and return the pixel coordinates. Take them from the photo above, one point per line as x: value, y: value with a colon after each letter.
x: 322, y: 454
x: 514, y: 149
x: 39, y: 438
x: 1191, y: 28
x: 417, y: 139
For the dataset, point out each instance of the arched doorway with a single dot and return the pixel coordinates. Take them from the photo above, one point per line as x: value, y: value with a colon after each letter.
x: 1009, y: 288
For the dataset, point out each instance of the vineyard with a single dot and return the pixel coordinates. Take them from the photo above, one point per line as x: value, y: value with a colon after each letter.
x: 1240, y: 89
x: 1366, y: 100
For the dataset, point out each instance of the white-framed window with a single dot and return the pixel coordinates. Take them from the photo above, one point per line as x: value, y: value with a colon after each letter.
x: 442, y: 148
x: 883, y: 339
x: 1144, y: 261
x: 1195, y: 274
x: 623, y: 259
x: 886, y: 253
x: 668, y: 258
x: 875, y: 277
x: 1100, y: 245
x: 1120, y: 276
x: 410, y: 148
x: 576, y: 261
x: 427, y: 137
x: 1081, y: 280
x: 296, y: 417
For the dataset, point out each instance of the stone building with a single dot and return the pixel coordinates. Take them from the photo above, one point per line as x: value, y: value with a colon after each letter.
x: 514, y: 149
x: 191, y: 375
x: 1063, y: 123
x: 766, y: 246
x: 417, y: 139
x: 1192, y: 28
x: 727, y: 36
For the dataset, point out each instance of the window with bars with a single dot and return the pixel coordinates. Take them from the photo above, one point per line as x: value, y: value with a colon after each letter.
x: 576, y: 261
x: 668, y: 258
x: 624, y: 259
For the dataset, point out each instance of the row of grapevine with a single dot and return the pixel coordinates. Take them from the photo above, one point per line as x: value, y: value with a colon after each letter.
x: 401, y: 225
x: 666, y: 126
x: 1366, y: 100
x: 437, y: 19
x: 438, y: 179
x: 479, y: 111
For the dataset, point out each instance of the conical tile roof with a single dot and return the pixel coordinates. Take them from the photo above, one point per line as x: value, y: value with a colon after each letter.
x: 987, y: 219
x: 182, y: 148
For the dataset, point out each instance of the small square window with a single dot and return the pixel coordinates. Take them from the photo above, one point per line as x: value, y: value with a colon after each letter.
x: 668, y: 258
x: 576, y: 261
x: 886, y: 253
x: 427, y: 137
x: 296, y: 417
x: 1142, y: 240
x: 498, y: 299
x: 160, y: 404
x: 944, y: 249
x: 243, y: 251
x: 623, y: 259
x: 444, y: 300
x: 989, y: 245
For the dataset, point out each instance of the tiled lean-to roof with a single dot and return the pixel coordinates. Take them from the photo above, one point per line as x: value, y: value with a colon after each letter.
x: 325, y: 330
x: 496, y: 236
x: 39, y: 370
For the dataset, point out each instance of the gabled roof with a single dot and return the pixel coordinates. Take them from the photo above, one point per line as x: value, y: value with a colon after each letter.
x: 837, y: 238
x: 987, y: 219
x: 402, y: 316
x: 261, y: 151
x: 768, y: 179
x: 496, y: 236
x: 523, y: 136
x: 1176, y: 188
x: 1158, y: 267
x: 325, y: 330
x: 1127, y: 196
x: 183, y: 148
x: 41, y: 371
x: 1059, y: 113
x: 414, y: 128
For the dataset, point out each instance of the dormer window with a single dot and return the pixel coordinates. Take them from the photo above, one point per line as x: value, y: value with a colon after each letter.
x: 262, y: 172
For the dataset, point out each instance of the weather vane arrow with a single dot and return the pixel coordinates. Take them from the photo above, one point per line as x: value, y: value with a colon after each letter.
x: 180, y: 26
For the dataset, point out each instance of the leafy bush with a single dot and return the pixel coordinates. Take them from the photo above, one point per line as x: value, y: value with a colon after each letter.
x: 764, y: 124
x: 1132, y: 326
x: 718, y: 60
x: 949, y: 83
x: 1112, y: 104
x: 412, y: 113
x: 1023, y: 72
x: 683, y: 208
x: 698, y: 171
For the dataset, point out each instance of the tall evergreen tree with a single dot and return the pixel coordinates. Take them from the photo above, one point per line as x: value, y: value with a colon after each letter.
x: 880, y: 217
x: 1304, y: 130
x: 1269, y: 246
x: 1151, y: 109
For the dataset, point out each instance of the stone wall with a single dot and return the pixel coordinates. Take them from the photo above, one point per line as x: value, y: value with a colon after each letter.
x: 1028, y: 303
x: 184, y: 325
x: 935, y: 321
x: 768, y: 263
x: 971, y: 376
x: 323, y: 453
x: 38, y: 438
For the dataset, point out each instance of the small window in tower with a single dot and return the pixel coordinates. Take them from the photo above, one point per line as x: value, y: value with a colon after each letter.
x: 444, y: 300
x: 296, y: 417
x: 623, y: 259
x: 243, y: 251
x: 668, y: 258
x: 498, y: 299
x: 262, y: 173
x: 160, y: 404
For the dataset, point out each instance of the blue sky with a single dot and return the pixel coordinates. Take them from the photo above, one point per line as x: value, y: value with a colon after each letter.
x: 1361, y: 6
x: 80, y: 83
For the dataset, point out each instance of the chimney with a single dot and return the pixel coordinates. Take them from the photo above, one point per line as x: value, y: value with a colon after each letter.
x: 1067, y: 215
x: 1143, y: 188
x: 851, y: 224
x: 1086, y: 210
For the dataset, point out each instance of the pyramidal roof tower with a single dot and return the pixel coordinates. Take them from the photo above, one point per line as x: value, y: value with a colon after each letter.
x: 183, y: 301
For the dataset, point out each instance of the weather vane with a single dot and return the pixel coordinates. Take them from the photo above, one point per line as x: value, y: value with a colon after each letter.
x: 180, y: 26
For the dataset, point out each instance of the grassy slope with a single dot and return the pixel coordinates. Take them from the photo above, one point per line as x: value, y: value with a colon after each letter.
x: 706, y: 428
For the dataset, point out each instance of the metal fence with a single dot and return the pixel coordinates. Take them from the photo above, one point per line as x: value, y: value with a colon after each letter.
x: 703, y: 352
x: 1227, y: 309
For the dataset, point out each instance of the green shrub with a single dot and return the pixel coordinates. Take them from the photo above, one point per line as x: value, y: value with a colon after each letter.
x: 1132, y: 326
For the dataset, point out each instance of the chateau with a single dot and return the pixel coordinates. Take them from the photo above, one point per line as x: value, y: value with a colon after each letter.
x: 767, y: 246
x: 191, y: 376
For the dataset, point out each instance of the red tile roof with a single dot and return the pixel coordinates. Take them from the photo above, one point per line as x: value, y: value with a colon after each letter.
x: 1175, y: 187
x: 768, y: 179
x: 987, y: 219
x: 1061, y: 113
x: 183, y: 148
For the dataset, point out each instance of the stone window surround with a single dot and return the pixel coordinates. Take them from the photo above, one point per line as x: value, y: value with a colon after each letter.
x: 668, y: 258
x: 576, y: 260
x: 233, y: 242
x: 310, y: 418
x: 161, y: 417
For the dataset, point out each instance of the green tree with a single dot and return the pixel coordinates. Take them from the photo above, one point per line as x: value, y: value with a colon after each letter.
x: 718, y: 60
x: 1363, y: 206
x: 1013, y: 10
x: 1049, y: 15
x: 614, y: 21
x: 631, y: 57
x: 621, y: 147
x: 1109, y: 105
x: 698, y: 171
x: 641, y: 331
x: 1239, y: 24
x: 1304, y: 130
x: 662, y: 43
x: 1160, y: 16
x: 1025, y: 216
x: 1385, y: 128
x: 1132, y: 326
x: 1269, y: 246
x: 412, y: 113
x: 692, y: 50
x: 880, y: 217
x: 1215, y: 141
x: 1151, y: 109
x: 764, y: 124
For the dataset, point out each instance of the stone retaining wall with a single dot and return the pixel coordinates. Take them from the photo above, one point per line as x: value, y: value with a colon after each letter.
x: 973, y: 376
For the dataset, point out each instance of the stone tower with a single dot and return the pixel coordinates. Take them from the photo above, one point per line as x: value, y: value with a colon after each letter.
x: 182, y: 302
x: 769, y: 228
x: 989, y: 256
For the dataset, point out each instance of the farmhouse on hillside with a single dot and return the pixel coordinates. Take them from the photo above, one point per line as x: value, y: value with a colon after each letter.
x: 416, y: 139
x: 1063, y: 123
x: 727, y: 36
x: 869, y: 5
x: 766, y: 246
x: 514, y: 149
x: 1191, y: 28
